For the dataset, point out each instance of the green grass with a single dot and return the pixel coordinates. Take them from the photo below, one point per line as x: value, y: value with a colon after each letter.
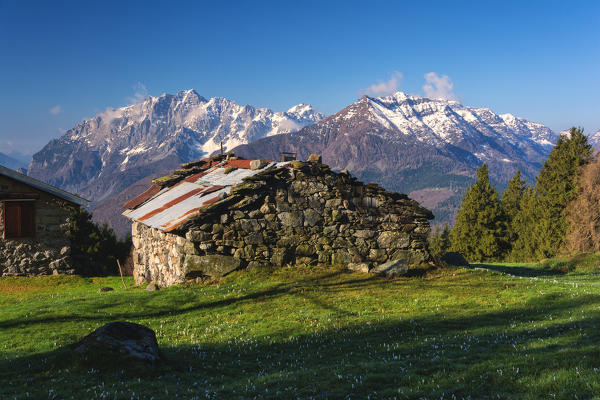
x: 488, y: 331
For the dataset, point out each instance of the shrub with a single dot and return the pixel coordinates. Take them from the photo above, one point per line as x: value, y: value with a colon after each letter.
x: 95, y: 249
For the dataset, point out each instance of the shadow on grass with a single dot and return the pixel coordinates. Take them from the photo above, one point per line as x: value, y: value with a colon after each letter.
x: 518, y: 270
x: 491, y: 354
x: 273, y: 292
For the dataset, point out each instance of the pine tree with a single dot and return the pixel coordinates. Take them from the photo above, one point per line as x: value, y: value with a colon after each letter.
x: 524, y: 245
x: 479, y: 228
x: 511, y: 205
x: 439, y: 241
x: 95, y: 249
x: 556, y: 186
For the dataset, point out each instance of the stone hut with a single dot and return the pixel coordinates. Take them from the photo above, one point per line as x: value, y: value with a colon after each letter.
x: 34, y: 225
x: 221, y: 214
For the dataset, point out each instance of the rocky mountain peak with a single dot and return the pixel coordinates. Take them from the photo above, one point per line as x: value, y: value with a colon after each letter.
x: 106, y: 153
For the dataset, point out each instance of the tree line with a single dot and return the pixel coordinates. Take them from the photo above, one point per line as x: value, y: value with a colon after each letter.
x: 560, y: 212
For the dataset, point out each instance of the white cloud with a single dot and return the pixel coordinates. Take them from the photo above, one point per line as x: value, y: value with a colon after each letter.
x: 55, y: 110
x: 384, y: 88
x: 438, y: 87
x: 140, y: 92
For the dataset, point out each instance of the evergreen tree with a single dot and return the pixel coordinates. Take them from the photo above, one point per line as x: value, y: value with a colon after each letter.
x: 478, y: 233
x: 95, y: 249
x: 439, y: 241
x: 556, y: 186
x: 524, y: 244
x: 511, y: 205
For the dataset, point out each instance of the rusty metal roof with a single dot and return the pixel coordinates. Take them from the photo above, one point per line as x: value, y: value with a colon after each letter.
x: 167, y: 208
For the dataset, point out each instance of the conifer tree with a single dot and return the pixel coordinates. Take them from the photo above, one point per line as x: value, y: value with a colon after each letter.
x: 556, y: 186
x: 439, y: 241
x: 479, y: 228
x: 524, y: 245
x: 511, y: 205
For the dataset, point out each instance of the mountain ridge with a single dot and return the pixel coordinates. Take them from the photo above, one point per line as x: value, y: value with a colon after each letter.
x: 414, y: 144
x: 101, y: 156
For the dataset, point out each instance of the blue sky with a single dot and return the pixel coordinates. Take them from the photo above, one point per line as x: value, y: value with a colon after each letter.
x: 61, y: 62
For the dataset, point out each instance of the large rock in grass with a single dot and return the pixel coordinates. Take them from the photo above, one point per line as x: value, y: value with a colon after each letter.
x: 121, y: 339
x: 454, y: 258
x: 391, y: 269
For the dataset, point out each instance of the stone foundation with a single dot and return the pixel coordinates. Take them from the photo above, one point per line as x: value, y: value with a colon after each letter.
x: 305, y: 214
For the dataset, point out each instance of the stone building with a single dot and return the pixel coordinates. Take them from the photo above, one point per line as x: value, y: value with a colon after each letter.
x: 34, y: 225
x: 217, y: 215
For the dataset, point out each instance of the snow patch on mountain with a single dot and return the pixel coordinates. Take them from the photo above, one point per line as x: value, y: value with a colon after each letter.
x: 439, y: 122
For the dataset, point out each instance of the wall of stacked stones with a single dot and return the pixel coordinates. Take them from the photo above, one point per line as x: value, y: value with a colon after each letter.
x: 46, y: 253
x: 305, y: 214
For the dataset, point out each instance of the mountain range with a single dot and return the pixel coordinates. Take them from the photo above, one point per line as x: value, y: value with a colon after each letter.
x: 428, y: 148
x: 109, y: 153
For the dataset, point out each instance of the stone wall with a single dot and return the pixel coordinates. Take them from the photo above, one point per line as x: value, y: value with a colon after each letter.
x: 303, y: 214
x: 158, y: 256
x: 46, y: 253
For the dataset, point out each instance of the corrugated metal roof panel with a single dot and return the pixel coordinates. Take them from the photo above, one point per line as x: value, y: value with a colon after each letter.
x: 148, y: 194
x: 180, y: 212
x: 169, y: 209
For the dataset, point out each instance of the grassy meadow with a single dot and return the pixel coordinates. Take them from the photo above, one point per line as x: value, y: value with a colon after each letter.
x: 525, y: 331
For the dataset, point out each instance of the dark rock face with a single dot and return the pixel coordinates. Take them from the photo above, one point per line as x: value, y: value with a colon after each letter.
x: 122, y: 339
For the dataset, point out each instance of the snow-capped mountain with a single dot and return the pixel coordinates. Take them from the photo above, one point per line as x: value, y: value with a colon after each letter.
x: 429, y: 148
x: 183, y: 127
x: 105, y: 154
x: 594, y: 140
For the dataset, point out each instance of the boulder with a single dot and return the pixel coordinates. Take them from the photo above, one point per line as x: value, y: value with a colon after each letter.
x: 121, y: 339
x: 391, y: 269
x: 454, y: 258
x: 358, y: 267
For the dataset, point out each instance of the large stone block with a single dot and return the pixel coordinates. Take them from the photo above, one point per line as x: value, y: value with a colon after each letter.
x: 291, y: 218
x: 341, y: 257
x: 213, y: 265
x: 312, y: 217
x: 391, y: 269
x: 280, y: 256
x: 393, y: 240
